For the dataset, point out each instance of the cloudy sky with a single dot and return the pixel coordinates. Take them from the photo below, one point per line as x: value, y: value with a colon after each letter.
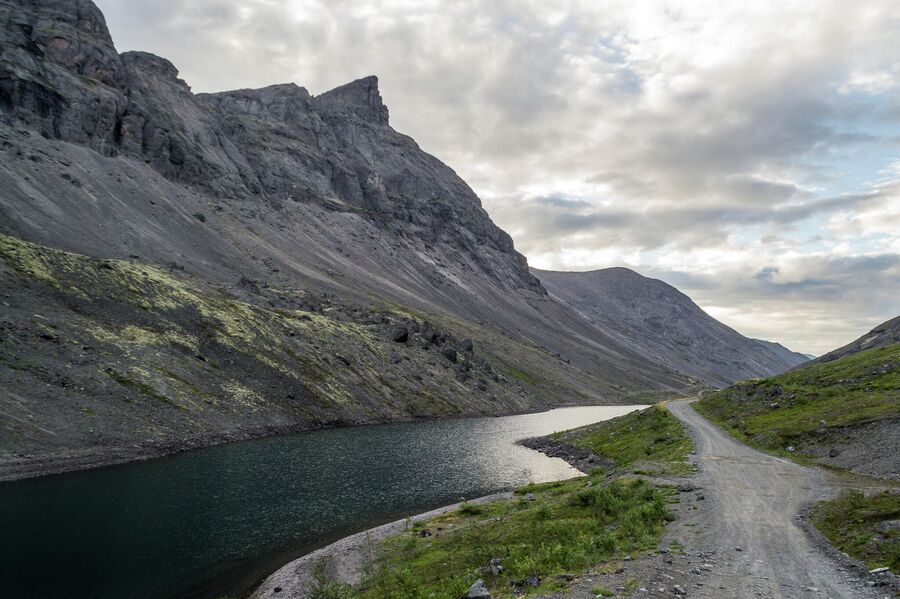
x: 746, y: 152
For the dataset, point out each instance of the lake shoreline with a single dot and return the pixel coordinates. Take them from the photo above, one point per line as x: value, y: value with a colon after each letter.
x: 347, y: 558
x: 216, y: 523
x: 15, y: 468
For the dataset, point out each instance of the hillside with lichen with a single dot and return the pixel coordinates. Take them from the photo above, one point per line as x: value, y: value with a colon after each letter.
x: 103, y: 360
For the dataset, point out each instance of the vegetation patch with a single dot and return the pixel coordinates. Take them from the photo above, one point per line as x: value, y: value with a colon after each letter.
x: 133, y: 384
x: 866, y: 527
x: 540, y: 538
x: 652, y: 440
x: 800, y: 406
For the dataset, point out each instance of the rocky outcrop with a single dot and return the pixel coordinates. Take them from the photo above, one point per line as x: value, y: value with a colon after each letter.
x: 478, y: 590
x: 358, y: 98
x: 59, y: 71
x: 578, y: 457
x: 666, y: 324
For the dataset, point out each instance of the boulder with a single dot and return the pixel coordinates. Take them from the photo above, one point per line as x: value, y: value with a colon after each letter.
x: 528, y: 581
x: 400, y: 335
x: 496, y: 566
x: 449, y: 353
x: 889, y: 526
x: 477, y: 591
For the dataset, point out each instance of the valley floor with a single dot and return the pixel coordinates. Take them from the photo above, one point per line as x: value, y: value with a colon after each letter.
x: 740, y: 534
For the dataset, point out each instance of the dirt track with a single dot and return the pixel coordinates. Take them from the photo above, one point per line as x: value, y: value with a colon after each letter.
x: 755, y: 500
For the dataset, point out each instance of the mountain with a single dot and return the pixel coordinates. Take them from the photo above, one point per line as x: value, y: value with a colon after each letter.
x: 885, y: 334
x: 664, y: 324
x: 840, y: 410
x: 183, y: 268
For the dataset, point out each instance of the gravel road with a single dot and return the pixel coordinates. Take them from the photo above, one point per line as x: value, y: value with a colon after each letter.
x: 755, y: 500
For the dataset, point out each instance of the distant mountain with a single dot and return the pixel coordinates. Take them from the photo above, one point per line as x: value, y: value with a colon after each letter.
x: 665, y: 324
x: 887, y: 333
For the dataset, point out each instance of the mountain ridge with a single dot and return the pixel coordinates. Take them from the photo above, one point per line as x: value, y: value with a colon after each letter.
x: 666, y: 324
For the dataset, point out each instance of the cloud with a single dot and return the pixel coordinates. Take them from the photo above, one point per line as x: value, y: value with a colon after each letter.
x: 604, y: 132
x: 842, y: 296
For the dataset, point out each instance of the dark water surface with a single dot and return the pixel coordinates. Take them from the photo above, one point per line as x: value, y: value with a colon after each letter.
x: 213, y: 522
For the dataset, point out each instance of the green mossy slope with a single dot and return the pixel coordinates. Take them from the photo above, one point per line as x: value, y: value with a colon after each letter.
x: 648, y: 441
x: 811, y: 408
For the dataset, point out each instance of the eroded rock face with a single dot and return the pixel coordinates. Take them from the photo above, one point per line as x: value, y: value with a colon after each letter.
x: 59, y: 71
x: 359, y: 98
x: 60, y: 74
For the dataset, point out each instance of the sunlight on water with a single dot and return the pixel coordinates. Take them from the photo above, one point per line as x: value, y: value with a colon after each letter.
x: 214, y: 521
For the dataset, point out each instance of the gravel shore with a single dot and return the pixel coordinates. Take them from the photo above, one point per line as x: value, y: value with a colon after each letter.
x: 346, y: 558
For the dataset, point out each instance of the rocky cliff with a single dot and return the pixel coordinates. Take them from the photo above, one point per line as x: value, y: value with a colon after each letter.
x: 665, y: 324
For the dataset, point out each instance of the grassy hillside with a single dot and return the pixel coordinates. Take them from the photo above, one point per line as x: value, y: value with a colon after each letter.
x: 546, y: 530
x: 815, y: 410
x: 651, y: 440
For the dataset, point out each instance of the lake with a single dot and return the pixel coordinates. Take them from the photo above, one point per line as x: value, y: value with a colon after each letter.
x: 214, y: 522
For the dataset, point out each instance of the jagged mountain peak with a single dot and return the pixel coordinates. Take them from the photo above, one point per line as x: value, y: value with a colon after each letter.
x: 149, y: 62
x: 360, y: 98
x: 277, y: 148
